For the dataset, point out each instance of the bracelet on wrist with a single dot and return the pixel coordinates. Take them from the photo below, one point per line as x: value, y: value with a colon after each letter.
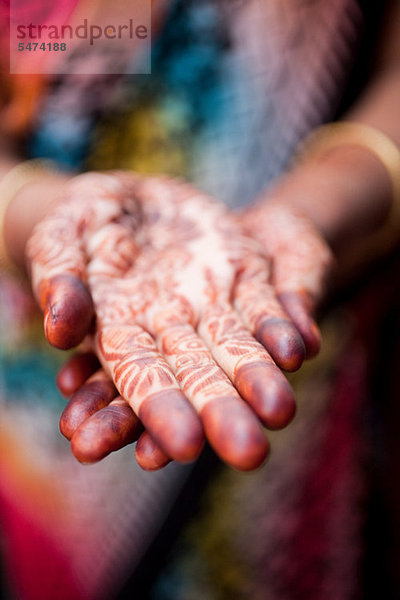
x: 333, y: 135
x: 23, y: 173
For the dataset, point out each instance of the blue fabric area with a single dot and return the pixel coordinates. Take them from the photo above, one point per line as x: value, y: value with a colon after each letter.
x: 62, y: 139
x: 187, y: 56
x: 186, y: 60
x: 29, y: 378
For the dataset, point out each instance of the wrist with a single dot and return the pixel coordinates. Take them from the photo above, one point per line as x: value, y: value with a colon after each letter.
x: 346, y: 193
x: 29, y: 205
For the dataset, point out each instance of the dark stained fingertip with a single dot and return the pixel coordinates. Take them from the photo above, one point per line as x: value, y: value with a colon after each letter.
x: 235, y: 433
x: 298, y: 307
x: 76, y: 371
x: 108, y: 430
x: 173, y: 424
x: 268, y: 392
x: 149, y: 455
x: 283, y: 342
x: 68, y: 310
x: 88, y: 400
x: 312, y: 339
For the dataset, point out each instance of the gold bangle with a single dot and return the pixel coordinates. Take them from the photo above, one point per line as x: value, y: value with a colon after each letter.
x: 346, y: 133
x: 23, y: 173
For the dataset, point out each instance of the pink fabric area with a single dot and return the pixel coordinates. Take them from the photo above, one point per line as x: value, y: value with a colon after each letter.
x: 36, y: 567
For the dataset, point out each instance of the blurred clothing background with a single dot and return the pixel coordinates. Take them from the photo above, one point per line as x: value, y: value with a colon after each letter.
x: 234, y: 87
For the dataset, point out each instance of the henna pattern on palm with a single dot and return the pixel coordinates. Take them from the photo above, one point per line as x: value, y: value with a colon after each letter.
x: 187, y: 323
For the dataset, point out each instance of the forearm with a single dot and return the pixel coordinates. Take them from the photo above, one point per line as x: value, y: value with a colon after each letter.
x: 348, y: 191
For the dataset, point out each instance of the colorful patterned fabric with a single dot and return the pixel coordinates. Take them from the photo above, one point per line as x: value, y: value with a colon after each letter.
x: 235, y: 85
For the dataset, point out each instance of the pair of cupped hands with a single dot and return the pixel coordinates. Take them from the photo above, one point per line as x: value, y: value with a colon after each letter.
x: 186, y: 314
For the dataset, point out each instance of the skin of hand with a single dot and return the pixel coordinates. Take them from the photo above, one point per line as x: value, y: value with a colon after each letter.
x: 301, y: 262
x: 300, y: 271
x: 184, y: 310
x: 286, y: 224
x: 112, y: 426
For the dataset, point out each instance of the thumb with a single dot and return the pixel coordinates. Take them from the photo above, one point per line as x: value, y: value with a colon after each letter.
x: 301, y: 263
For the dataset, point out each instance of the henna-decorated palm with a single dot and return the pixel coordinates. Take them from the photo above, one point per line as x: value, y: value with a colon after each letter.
x: 181, y: 297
